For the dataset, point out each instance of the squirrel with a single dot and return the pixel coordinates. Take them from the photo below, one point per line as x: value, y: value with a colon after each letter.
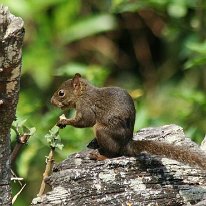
x: 111, y: 113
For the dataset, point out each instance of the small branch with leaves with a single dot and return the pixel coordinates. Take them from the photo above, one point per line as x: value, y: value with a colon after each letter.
x: 54, y: 141
x: 23, y: 133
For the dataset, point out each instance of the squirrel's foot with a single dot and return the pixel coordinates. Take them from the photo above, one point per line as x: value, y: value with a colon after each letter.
x: 95, y: 155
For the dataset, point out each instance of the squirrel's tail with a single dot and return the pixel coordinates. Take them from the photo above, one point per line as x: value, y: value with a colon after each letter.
x: 179, y: 153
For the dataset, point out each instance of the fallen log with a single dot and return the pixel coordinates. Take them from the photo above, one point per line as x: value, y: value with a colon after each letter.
x: 127, y: 181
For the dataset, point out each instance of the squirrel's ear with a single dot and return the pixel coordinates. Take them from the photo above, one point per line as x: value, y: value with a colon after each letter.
x: 77, y: 75
x: 76, y: 81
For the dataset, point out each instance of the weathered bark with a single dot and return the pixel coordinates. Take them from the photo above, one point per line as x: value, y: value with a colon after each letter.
x: 144, y: 180
x: 11, y: 37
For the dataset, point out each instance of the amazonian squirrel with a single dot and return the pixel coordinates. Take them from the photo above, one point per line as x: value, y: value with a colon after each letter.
x: 111, y: 112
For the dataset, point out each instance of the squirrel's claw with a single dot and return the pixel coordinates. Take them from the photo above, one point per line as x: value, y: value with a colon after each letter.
x: 61, y: 126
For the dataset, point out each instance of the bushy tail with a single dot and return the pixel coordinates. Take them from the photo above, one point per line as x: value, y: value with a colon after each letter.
x: 179, y: 153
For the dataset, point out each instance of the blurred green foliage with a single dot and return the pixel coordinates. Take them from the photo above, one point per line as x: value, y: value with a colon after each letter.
x: 155, y: 49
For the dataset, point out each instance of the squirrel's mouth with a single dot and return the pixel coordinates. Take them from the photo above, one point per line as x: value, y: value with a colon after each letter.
x: 57, y: 103
x: 62, y: 105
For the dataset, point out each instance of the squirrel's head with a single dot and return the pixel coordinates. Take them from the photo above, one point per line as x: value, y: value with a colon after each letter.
x: 68, y: 93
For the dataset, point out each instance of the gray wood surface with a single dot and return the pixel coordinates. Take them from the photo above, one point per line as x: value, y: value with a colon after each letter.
x: 127, y: 181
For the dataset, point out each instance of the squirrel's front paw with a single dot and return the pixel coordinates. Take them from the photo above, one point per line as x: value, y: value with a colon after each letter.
x: 61, y: 126
x: 62, y: 123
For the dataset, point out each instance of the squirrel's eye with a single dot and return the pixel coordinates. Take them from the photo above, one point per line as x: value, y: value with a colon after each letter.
x: 61, y: 93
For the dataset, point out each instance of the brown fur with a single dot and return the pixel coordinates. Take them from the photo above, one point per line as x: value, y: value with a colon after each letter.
x: 179, y: 153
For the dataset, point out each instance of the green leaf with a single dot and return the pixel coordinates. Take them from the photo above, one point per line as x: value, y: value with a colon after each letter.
x: 66, y: 10
x: 97, y: 74
x: 21, y: 128
x: 71, y: 68
x: 60, y: 146
x: 54, y: 130
x: 199, y: 48
x: 25, y: 129
x: 21, y: 123
x: 177, y: 10
x: 53, y: 138
x: 94, y: 73
x: 195, y: 63
x: 89, y: 26
x: 121, y: 6
x: 32, y: 131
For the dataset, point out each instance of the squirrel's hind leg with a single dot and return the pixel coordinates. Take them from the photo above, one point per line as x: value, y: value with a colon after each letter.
x: 111, y: 141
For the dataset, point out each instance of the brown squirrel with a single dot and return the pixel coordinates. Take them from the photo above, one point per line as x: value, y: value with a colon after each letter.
x: 111, y: 112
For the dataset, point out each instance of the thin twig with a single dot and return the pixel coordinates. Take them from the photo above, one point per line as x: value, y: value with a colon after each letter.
x: 47, y: 172
x: 15, y: 177
x: 15, y: 197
